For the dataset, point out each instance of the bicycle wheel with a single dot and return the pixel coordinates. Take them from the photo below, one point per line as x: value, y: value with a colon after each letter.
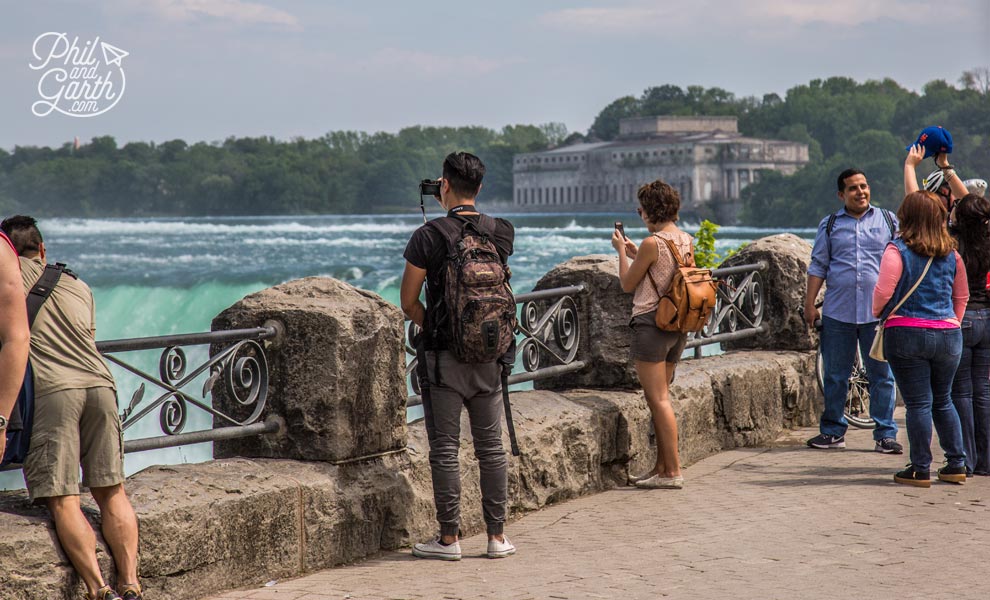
x: 857, y: 409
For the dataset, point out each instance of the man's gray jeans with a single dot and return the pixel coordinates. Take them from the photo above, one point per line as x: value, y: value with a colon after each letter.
x: 478, y: 387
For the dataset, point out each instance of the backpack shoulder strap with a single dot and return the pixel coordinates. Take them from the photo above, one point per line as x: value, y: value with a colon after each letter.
x: 673, y: 251
x: 449, y: 228
x: 830, y: 225
x: 486, y: 225
x: 889, y: 218
x: 42, y: 289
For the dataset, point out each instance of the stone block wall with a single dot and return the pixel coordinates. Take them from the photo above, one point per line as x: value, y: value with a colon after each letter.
x: 239, y: 522
x: 337, y: 372
x: 785, y: 282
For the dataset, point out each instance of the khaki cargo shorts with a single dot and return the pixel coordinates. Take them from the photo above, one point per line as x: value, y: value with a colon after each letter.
x: 73, y: 427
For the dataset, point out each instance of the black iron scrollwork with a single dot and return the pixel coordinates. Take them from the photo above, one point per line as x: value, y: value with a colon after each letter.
x: 242, y: 367
x: 172, y: 365
x: 739, y: 304
x: 172, y: 417
x: 551, y: 336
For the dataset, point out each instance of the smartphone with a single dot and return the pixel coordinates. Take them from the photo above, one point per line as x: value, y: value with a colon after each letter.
x: 622, y: 231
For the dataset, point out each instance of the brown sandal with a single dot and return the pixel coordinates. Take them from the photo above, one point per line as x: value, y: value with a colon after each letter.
x: 104, y: 593
x: 131, y: 591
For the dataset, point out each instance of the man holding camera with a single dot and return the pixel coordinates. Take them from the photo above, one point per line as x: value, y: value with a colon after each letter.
x: 75, y: 423
x: 847, y: 252
x: 447, y: 383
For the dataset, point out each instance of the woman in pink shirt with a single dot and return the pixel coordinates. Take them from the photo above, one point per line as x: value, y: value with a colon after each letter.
x: 922, y: 339
x: 655, y: 353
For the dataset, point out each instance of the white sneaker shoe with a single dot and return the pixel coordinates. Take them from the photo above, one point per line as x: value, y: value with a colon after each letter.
x: 497, y: 549
x: 435, y: 550
x: 634, y: 478
x: 661, y: 483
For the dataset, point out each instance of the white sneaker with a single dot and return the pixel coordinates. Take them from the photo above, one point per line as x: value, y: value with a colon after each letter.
x: 434, y: 549
x: 497, y: 549
x: 661, y: 483
x: 634, y: 478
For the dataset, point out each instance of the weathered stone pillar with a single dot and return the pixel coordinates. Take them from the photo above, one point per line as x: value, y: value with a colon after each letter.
x: 337, y: 372
x: 604, y: 311
x: 785, y: 282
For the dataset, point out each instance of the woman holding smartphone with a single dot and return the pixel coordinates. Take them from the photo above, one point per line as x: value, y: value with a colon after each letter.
x: 655, y: 352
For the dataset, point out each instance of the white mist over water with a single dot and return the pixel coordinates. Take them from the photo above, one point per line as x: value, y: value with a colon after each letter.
x: 162, y: 276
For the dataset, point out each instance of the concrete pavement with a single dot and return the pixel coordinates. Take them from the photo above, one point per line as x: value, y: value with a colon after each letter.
x: 785, y: 522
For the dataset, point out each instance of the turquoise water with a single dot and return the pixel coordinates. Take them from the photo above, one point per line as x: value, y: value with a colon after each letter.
x: 162, y: 276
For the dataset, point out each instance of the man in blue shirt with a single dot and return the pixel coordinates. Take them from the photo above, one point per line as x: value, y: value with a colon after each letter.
x: 847, y: 253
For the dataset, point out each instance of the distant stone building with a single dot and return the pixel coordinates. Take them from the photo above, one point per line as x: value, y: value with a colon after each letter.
x: 705, y: 158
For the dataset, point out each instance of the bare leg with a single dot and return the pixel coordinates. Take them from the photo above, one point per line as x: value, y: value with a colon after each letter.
x: 654, y: 378
x: 77, y: 539
x: 120, y: 530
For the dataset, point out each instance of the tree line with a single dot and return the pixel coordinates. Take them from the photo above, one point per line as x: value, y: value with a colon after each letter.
x: 844, y: 122
x: 340, y: 172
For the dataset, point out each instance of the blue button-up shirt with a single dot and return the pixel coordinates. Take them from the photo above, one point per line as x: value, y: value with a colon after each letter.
x: 849, y: 262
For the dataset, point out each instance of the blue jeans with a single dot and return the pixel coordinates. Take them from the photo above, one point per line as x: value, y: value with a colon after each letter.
x: 839, y: 340
x: 971, y: 390
x: 924, y: 362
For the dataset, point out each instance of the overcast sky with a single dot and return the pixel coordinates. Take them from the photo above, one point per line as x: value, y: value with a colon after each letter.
x: 209, y: 69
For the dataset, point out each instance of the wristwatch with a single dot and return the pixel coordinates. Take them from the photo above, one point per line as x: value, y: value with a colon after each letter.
x: 3, y: 422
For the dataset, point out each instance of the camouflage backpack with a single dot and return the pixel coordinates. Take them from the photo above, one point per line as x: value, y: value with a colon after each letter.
x: 480, y: 317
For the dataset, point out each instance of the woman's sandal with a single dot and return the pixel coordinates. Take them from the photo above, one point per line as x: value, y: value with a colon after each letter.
x: 131, y: 591
x: 104, y: 593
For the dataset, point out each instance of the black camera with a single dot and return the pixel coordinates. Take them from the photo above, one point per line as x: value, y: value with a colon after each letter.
x: 429, y: 187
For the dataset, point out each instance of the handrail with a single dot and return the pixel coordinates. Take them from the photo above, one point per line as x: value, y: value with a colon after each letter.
x: 186, y: 339
x: 241, y: 367
x: 739, y: 304
x: 547, y: 337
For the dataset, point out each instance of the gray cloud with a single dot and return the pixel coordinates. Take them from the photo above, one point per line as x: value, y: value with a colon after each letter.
x: 231, y: 11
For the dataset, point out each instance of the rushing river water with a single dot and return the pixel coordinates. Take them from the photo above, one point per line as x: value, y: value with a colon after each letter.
x: 161, y: 276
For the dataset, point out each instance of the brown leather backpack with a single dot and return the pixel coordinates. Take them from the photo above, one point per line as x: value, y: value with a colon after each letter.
x: 687, y: 304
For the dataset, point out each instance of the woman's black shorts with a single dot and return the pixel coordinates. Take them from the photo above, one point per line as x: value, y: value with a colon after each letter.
x: 652, y: 344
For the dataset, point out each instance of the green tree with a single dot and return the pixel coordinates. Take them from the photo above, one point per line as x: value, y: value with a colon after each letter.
x: 705, y: 255
x: 606, y: 124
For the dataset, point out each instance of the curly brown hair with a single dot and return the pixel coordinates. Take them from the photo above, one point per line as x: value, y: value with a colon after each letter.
x: 922, y: 219
x: 659, y: 201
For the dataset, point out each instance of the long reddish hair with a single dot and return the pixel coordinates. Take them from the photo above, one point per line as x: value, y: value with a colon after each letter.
x: 922, y: 224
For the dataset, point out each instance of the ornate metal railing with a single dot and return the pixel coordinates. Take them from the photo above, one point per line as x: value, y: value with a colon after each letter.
x: 547, y: 337
x: 240, y: 367
x: 738, y: 310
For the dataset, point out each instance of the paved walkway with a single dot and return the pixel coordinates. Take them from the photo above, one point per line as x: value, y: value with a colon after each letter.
x: 782, y: 522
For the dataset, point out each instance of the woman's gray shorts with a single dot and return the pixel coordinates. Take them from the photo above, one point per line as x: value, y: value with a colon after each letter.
x: 652, y: 344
